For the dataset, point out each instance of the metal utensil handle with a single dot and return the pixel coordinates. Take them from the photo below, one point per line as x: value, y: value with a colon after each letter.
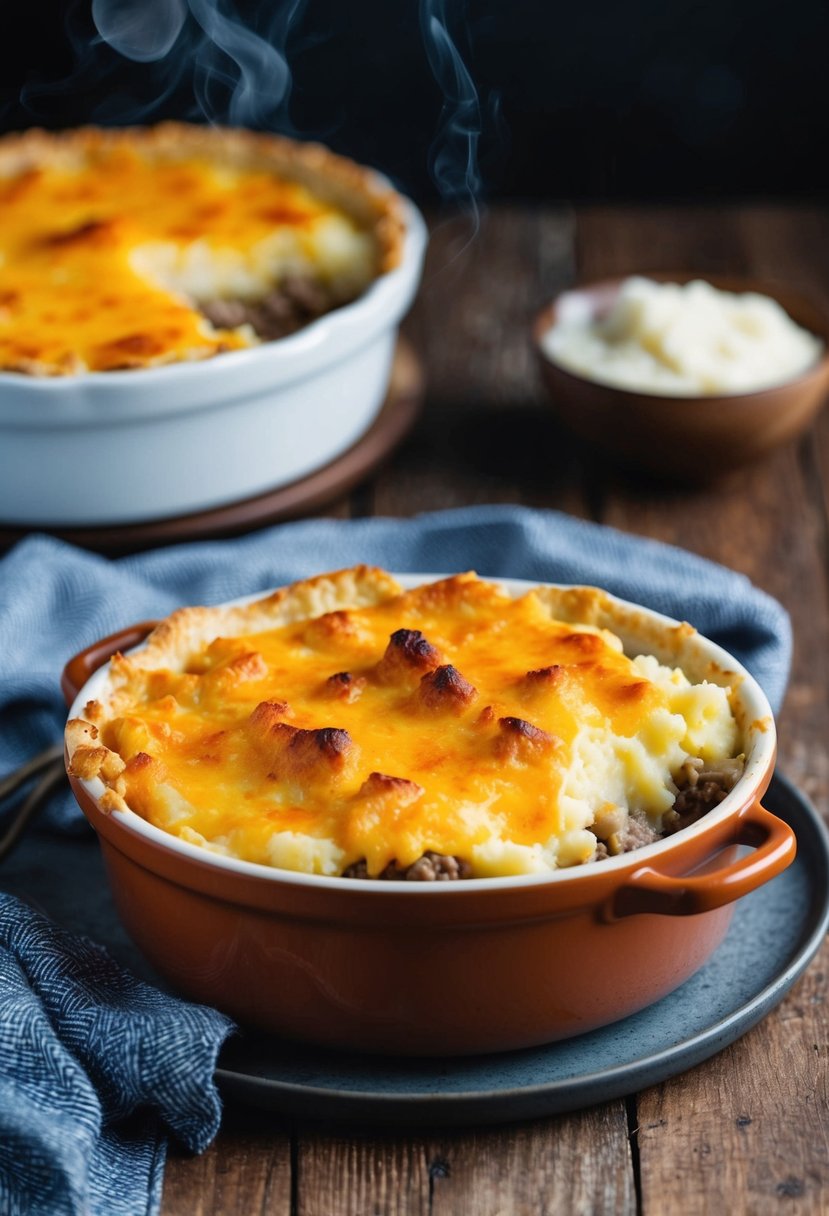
x: 13, y: 781
x: 53, y: 775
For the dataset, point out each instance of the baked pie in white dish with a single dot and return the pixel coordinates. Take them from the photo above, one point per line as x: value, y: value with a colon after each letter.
x: 189, y: 317
x: 133, y: 248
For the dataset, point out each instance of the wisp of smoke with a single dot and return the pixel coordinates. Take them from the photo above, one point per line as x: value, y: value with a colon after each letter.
x: 262, y: 76
x: 206, y: 61
x: 225, y: 70
x: 145, y: 32
x: 454, y: 152
x: 453, y: 158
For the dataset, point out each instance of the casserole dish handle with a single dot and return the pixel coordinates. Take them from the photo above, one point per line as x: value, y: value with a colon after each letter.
x: 774, y: 844
x: 79, y: 668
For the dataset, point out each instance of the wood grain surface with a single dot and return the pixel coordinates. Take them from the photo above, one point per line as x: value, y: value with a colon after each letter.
x: 747, y: 1131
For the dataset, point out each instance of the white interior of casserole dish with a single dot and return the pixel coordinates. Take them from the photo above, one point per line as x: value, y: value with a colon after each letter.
x: 751, y: 708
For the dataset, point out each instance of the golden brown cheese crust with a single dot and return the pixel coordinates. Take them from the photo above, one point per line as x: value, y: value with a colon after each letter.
x: 80, y: 207
x: 382, y: 724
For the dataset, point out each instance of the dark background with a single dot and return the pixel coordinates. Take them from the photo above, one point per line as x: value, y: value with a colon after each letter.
x: 590, y: 99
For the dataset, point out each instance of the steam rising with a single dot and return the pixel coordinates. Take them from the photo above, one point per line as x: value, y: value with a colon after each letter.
x: 258, y: 79
x: 198, y: 59
x: 144, y: 33
x: 202, y: 60
x: 454, y: 152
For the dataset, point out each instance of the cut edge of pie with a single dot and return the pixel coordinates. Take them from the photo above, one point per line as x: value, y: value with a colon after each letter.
x: 164, y: 321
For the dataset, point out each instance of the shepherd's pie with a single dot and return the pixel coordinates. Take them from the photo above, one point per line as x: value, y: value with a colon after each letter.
x: 345, y: 726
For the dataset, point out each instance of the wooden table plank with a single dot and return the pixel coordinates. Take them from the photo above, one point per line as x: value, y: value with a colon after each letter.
x: 577, y: 1163
x: 747, y: 1130
x: 552, y: 1167
x: 636, y: 239
x: 245, y: 1172
x: 487, y: 433
x: 339, y: 1175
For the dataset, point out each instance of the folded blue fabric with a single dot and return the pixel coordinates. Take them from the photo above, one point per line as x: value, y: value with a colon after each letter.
x: 96, y: 1068
x: 82, y: 1045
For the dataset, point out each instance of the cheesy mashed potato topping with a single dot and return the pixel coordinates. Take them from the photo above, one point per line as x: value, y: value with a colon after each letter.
x: 682, y: 341
x: 113, y: 242
x: 345, y: 721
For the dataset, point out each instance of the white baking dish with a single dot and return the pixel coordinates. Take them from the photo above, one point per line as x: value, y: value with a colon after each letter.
x: 131, y: 446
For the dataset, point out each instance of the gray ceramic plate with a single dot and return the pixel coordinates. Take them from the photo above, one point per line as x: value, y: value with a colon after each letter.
x: 774, y: 934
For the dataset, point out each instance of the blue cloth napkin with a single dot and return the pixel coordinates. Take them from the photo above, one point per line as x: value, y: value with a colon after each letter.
x: 82, y: 1045
x: 95, y: 1068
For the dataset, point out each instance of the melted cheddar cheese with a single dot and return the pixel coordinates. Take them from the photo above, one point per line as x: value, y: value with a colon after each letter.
x: 451, y: 718
x: 105, y: 257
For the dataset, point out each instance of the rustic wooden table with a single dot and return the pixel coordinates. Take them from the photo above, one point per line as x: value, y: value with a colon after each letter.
x: 746, y: 1131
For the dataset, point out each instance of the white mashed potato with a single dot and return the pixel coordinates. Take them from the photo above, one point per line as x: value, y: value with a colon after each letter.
x: 612, y: 777
x: 681, y: 340
x: 334, y: 252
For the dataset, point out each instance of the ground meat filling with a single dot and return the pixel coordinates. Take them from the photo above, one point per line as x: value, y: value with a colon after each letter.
x: 431, y: 867
x: 295, y: 303
x: 700, y: 790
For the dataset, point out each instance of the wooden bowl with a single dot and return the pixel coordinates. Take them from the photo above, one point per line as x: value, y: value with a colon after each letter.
x: 686, y: 438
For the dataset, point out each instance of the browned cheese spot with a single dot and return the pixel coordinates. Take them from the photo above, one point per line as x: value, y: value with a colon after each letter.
x: 543, y: 682
x: 329, y: 741
x: 211, y: 747
x: 446, y: 689
x: 266, y: 717
x: 585, y: 644
x: 331, y: 628
x: 243, y: 669
x: 544, y: 677
x: 144, y: 772
x: 407, y: 657
x: 345, y: 686
x: 313, y: 756
x: 249, y: 666
x: 519, y: 741
x: 632, y: 690
x: 398, y: 791
x: 89, y: 232
x: 140, y: 762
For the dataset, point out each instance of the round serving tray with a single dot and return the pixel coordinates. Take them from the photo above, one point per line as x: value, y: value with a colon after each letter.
x: 773, y: 936
x: 394, y: 421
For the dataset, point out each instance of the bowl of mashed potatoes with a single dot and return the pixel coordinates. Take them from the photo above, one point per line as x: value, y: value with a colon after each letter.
x: 682, y: 376
x: 424, y: 815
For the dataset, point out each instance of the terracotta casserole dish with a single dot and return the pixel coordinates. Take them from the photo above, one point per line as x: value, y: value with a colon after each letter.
x: 487, y: 964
